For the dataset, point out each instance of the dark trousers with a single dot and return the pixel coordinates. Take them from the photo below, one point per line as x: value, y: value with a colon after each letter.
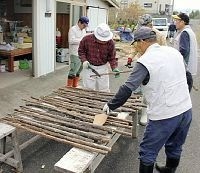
x: 170, y: 133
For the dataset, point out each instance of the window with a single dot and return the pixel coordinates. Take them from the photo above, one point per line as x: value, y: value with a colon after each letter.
x: 147, y: 5
x: 160, y: 22
x: 26, y: 3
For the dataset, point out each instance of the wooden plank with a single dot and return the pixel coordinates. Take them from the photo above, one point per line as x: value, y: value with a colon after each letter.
x: 6, y: 130
x: 80, y: 161
x: 74, y: 161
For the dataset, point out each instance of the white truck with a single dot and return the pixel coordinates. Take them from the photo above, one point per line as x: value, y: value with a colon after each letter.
x: 161, y: 24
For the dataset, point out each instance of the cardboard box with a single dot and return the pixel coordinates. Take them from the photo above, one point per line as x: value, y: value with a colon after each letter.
x: 16, y: 65
x: 2, y: 67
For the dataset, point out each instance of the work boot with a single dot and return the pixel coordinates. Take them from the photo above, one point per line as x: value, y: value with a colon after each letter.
x: 75, y: 81
x: 143, y: 118
x: 146, y: 169
x: 69, y: 82
x: 170, y: 167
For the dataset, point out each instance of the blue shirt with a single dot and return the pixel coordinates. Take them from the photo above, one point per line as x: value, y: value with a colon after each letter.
x: 184, y: 46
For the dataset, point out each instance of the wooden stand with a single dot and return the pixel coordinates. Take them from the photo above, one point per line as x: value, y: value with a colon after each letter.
x: 81, y: 161
x: 16, y: 162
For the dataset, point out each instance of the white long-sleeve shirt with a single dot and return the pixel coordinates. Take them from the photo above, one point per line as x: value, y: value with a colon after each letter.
x: 75, y: 35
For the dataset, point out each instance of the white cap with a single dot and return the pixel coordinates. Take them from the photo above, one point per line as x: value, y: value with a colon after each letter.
x: 102, y: 32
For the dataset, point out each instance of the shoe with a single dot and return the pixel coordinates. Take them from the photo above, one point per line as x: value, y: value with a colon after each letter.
x: 145, y: 169
x: 75, y: 82
x: 170, y: 167
x: 143, y: 118
x: 69, y: 82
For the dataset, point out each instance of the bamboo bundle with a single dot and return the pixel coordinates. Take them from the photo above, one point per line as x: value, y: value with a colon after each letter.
x: 67, y: 116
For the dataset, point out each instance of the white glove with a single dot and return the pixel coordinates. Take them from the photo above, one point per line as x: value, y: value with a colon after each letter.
x: 86, y: 64
x: 106, y: 109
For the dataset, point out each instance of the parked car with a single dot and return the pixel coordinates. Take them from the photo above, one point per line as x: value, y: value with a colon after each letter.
x: 161, y: 24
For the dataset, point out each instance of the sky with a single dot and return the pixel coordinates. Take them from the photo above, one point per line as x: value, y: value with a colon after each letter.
x: 186, y: 5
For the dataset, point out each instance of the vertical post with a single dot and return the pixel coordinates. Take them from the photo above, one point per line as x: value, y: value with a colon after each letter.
x: 135, y: 124
x: 17, y: 154
x: 11, y: 63
x: 3, y: 145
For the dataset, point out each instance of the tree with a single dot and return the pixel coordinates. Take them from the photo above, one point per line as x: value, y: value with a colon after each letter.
x: 127, y: 16
x: 195, y: 14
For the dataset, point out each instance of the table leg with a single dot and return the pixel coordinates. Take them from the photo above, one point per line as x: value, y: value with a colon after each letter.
x: 11, y: 63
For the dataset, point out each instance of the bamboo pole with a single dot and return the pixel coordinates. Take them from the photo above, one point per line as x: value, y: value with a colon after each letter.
x: 96, y: 137
x: 29, y: 128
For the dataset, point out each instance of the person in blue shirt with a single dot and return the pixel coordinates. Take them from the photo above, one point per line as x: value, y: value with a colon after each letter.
x: 185, y: 42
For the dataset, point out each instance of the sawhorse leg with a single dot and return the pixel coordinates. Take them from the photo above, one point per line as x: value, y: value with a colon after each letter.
x: 17, y: 154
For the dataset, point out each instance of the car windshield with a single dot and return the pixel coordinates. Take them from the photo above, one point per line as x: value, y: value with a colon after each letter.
x: 159, y: 22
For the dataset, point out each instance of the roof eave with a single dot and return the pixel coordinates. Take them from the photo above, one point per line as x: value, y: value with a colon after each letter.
x: 113, y: 3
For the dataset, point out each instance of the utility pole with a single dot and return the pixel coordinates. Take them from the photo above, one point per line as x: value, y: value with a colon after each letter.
x: 172, y: 7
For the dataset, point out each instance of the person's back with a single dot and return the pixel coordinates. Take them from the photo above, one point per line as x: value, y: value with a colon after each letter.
x: 167, y: 90
x: 146, y: 20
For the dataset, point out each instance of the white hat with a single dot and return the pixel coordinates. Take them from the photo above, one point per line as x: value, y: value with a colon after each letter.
x: 102, y: 32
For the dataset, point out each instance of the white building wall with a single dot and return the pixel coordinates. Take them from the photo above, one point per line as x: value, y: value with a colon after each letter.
x: 44, y: 38
x: 44, y: 27
x: 97, y: 13
x: 151, y: 6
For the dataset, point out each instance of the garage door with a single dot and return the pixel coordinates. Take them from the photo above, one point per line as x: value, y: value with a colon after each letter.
x: 96, y: 16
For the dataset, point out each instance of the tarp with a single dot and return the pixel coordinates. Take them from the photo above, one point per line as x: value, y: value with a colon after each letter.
x: 126, y: 34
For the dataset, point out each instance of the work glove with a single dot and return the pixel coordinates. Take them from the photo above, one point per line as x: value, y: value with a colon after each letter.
x: 129, y: 61
x: 106, y: 109
x: 117, y: 72
x: 86, y: 64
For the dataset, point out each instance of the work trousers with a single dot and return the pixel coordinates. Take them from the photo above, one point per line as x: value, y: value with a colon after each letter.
x: 170, y: 133
x: 96, y: 83
x: 75, y: 66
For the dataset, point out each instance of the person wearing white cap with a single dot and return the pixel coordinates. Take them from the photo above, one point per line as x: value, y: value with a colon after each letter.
x: 96, y: 51
x: 161, y: 72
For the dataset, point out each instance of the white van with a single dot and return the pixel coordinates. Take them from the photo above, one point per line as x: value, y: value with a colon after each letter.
x: 161, y: 24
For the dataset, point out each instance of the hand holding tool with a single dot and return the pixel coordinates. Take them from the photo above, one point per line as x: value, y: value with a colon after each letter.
x: 106, y: 109
x: 129, y: 61
x: 117, y: 72
x: 86, y: 64
x: 100, y: 119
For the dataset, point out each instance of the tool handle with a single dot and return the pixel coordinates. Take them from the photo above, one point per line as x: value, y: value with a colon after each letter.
x: 111, y: 73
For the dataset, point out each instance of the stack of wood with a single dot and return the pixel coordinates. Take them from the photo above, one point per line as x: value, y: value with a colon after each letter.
x: 67, y: 116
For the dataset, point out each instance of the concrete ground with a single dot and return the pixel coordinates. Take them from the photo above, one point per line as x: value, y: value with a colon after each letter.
x: 124, y: 155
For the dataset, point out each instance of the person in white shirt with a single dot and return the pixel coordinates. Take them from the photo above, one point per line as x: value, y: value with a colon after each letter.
x: 75, y: 35
x: 161, y: 72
